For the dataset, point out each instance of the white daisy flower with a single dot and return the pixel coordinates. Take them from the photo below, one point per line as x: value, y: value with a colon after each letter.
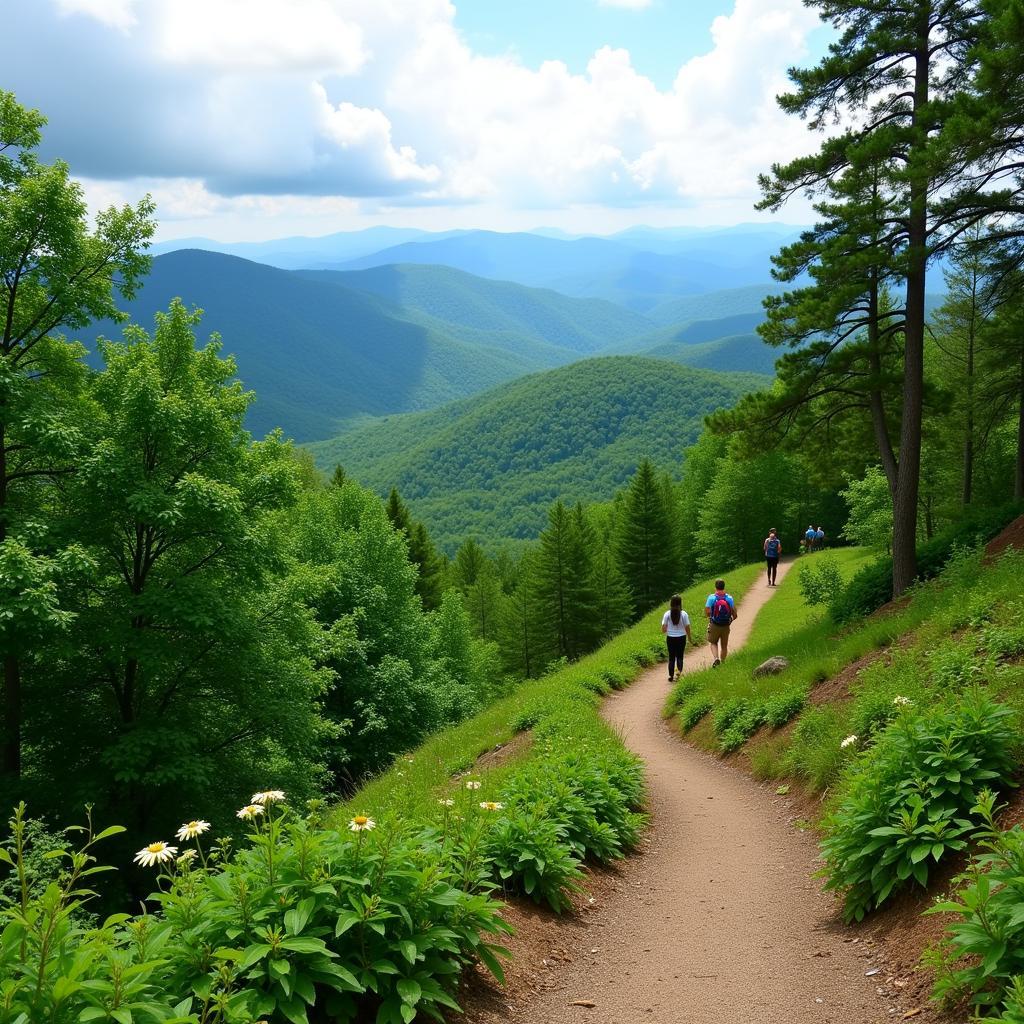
x: 250, y: 811
x: 472, y: 784
x: 156, y: 853
x: 491, y: 805
x: 848, y: 742
x: 360, y: 823
x: 270, y: 796
x: 446, y: 803
x: 192, y: 829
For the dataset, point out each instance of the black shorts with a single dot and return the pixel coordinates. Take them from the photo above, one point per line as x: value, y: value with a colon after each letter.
x: 773, y: 563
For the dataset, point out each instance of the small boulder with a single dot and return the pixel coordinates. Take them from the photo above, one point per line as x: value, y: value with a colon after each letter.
x: 771, y: 667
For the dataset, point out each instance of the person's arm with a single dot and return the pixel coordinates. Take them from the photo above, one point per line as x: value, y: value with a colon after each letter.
x: 689, y: 636
x: 664, y: 623
x: 735, y: 614
x: 764, y: 546
x: 707, y: 611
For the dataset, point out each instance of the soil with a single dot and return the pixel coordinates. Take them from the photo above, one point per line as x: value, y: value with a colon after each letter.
x: 1011, y: 537
x: 719, y: 917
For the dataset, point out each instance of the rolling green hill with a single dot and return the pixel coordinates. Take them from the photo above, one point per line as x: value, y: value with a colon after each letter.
x: 321, y: 356
x: 746, y: 351
x: 490, y: 465
x: 581, y: 325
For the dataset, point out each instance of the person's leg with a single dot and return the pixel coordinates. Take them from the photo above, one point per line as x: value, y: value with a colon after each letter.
x: 671, y: 656
x: 725, y: 643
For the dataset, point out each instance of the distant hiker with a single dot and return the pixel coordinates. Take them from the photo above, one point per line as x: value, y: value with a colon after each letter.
x: 809, y: 538
x: 819, y: 539
x: 720, y: 610
x: 772, y: 550
x: 675, y: 624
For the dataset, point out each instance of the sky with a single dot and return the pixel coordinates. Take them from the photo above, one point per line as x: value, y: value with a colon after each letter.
x: 256, y: 119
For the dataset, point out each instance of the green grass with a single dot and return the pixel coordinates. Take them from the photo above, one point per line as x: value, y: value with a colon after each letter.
x: 785, y: 626
x: 965, y: 627
x: 560, y: 707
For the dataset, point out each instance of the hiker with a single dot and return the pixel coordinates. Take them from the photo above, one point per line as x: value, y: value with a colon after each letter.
x: 772, y: 550
x: 720, y: 610
x: 819, y: 539
x: 809, y: 538
x: 675, y: 624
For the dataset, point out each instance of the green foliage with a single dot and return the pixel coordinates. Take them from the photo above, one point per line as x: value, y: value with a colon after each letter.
x: 349, y: 922
x: 492, y: 465
x: 693, y: 710
x: 908, y: 799
x: 870, y: 504
x: 872, y: 586
x: 820, y: 580
x: 645, y: 539
x: 981, y: 955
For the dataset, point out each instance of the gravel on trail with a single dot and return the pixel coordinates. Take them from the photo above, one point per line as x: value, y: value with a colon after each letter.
x: 719, y: 920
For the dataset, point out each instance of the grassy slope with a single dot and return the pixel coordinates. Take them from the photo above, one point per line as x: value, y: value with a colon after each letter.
x: 938, y: 640
x: 412, y: 787
x: 490, y: 466
x: 786, y: 627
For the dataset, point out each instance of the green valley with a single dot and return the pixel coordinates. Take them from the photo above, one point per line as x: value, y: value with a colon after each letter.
x: 489, y: 466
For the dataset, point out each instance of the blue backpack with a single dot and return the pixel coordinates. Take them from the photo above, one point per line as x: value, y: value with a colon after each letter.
x: 721, y: 612
x: 773, y: 548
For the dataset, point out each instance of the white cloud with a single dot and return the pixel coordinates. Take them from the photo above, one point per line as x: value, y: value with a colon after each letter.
x: 386, y: 101
x: 117, y: 14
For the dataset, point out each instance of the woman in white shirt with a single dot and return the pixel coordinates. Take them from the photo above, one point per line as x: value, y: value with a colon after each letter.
x: 675, y: 624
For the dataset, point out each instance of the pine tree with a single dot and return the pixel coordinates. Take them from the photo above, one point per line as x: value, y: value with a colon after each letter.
x: 896, y: 74
x: 470, y: 561
x: 644, y: 542
x: 398, y: 512
x: 429, y: 583
x: 338, y: 477
x: 613, y: 603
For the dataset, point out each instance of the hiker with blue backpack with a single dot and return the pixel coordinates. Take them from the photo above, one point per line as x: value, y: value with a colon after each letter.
x: 720, y: 609
x: 772, y: 551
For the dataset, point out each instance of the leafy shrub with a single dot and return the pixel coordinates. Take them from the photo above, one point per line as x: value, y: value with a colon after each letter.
x: 532, y: 853
x: 693, y: 710
x: 729, y: 712
x: 820, y: 580
x: 781, y: 708
x: 872, y: 586
x: 352, y: 922
x: 687, y: 687
x: 982, y: 954
x: 909, y: 798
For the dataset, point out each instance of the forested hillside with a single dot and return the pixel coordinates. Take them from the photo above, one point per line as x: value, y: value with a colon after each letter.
x: 581, y: 325
x: 318, y: 355
x: 489, y: 466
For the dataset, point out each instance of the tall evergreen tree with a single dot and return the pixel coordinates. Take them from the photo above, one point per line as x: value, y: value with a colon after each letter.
x: 644, y: 541
x: 895, y: 73
x: 57, y: 274
x: 613, y: 603
x: 562, y: 582
x: 470, y: 561
x: 958, y: 333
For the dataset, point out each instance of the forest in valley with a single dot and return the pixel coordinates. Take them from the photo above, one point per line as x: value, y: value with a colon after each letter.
x: 190, y: 611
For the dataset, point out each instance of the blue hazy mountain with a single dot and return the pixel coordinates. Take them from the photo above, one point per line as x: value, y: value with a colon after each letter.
x: 483, y: 304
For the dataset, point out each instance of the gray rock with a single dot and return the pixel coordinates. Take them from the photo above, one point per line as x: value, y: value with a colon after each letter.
x: 771, y: 667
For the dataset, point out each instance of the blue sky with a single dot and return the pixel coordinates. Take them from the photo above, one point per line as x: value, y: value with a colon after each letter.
x: 660, y: 36
x: 249, y: 119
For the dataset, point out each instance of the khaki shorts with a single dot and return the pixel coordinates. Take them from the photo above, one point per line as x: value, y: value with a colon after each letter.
x: 716, y: 632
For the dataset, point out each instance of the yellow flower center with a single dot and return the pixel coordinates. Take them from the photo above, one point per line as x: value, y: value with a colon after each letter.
x: 360, y: 820
x: 155, y: 847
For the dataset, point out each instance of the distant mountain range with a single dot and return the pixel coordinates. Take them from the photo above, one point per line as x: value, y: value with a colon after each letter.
x: 489, y: 466
x: 326, y: 349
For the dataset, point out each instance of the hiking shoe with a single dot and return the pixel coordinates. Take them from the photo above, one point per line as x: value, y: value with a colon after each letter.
x: 716, y: 663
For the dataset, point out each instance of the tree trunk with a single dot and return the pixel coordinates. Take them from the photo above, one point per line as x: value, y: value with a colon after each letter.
x: 1018, y: 480
x: 904, y: 533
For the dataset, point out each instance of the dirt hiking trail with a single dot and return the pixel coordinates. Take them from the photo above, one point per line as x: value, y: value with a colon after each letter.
x: 719, y: 920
